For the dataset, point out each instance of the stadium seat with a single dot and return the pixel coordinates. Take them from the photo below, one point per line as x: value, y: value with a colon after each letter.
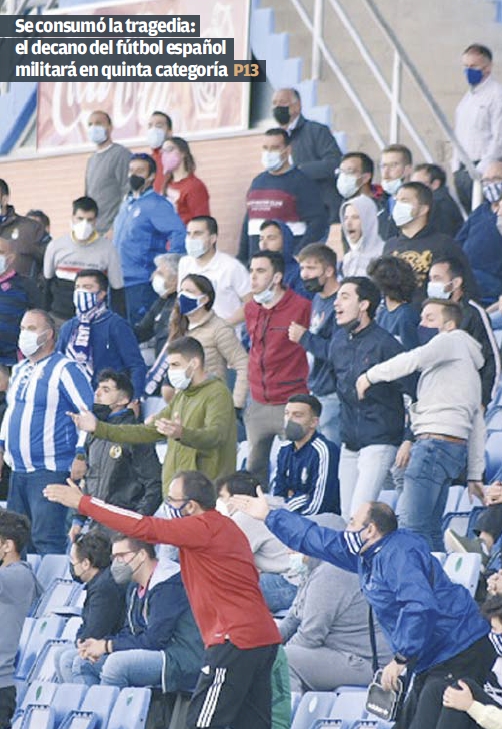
x: 493, y: 420
x: 463, y: 569
x: 440, y: 556
x: 349, y: 704
x: 295, y: 700
x: 51, y: 567
x: 152, y: 405
x: 465, y: 503
x: 456, y: 520
x: 82, y: 720
x: 454, y: 496
x: 44, y: 667
x: 43, y: 629
x: 38, y: 717
x: 71, y: 628
x: 59, y: 593
x: 34, y: 561
x: 331, y: 724
x: 493, y: 455
x: 100, y: 700
x: 39, y: 692
x: 131, y: 709
x: 68, y: 697
x: 313, y: 705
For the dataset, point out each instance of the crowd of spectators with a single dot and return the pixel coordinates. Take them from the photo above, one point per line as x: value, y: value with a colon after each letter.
x: 351, y: 327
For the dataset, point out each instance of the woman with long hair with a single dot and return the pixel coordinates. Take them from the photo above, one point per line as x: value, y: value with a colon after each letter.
x: 187, y: 192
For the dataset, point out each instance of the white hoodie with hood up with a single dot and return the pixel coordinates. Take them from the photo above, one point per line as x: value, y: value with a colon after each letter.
x: 370, y: 245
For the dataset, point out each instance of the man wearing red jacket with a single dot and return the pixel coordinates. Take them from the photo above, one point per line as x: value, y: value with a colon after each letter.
x: 278, y: 368
x: 221, y: 580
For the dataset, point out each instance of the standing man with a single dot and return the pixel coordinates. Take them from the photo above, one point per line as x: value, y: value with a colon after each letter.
x: 217, y: 566
x: 160, y: 128
x: 478, y: 120
x: 27, y: 236
x: 446, y: 419
x: 433, y: 626
x: 37, y: 440
x: 278, y: 368
x: 199, y: 422
x: 313, y: 148
x: 229, y: 277
x: 106, y: 171
x: 146, y: 226
x: 396, y: 165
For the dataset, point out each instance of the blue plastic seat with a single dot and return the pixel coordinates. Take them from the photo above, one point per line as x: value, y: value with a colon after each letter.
x: 493, y: 455
x: 349, y: 704
x: 313, y: 705
x: 51, y: 567
x: 71, y: 629
x: 44, y: 666
x: 38, y: 717
x: 464, y: 569
x: 131, y: 708
x: 43, y: 629
x: 82, y: 720
x: 59, y: 593
x: 100, y: 700
x: 68, y: 697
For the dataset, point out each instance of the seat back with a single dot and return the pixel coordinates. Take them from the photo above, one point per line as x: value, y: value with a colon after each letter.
x: 71, y: 628
x: 100, y: 700
x: 313, y: 705
x: 44, y: 665
x: 38, y: 717
x: 131, y: 708
x: 59, y: 593
x: 349, y: 704
x: 464, y: 569
x: 51, y: 567
x: 68, y: 697
x: 43, y: 629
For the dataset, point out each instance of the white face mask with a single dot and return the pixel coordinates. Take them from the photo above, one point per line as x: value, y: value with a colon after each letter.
x: 402, y: 213
x: 28, y: 341
x: 179, y: 379
x: 97, y: 134
x: 272, y: 161
x: 159, y: 285
x: 195, y: 247
x: 436, y: 290
x: 357, y: 245
x: 155, y: 137
x: 347, y: 185
x: 3, y: 264
x: 392, y: 186
x: 82, y: 230
x: 265, y: 296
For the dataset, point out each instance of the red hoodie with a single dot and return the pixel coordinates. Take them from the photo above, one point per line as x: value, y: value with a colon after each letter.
x: 278, y: 368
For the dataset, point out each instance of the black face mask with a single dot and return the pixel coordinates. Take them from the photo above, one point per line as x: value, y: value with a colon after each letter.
x: 281, y: 114
x: 312, y: 285
x: 351, y: 325
x: 136, y: 182
x: 101, y: 411
x: 74, y: 576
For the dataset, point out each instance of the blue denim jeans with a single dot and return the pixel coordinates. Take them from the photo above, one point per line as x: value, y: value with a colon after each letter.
x: 329, y: 422
x: 137, y: 667
x: 48, y: 520
x: 363, y: 474
x: 278, y: 592
x: 434, y: 465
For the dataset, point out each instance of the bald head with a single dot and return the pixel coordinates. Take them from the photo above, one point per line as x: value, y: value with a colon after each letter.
x: 286, y: 106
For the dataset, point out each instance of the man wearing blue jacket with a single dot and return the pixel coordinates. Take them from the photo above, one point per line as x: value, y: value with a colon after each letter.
x: 433, y: 626
x: 146, y: 225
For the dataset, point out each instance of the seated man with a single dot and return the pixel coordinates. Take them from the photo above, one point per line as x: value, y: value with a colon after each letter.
x: 326, y: 631
x: 307, y: 467
x: 159, y: 643
x: 97, y: 338
x: 127, y: 475
x: 278, y: 577
x: 103, y: 611
x: 18, y: 589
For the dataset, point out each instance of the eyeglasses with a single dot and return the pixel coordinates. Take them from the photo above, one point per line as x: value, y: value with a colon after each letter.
x: 120, y: 555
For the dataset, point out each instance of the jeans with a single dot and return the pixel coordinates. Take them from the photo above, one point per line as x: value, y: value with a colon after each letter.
x: 278, y: 592
x: 329, y: 422
x: 363, y: 474
x: 135, y: 667
x: 48, y: 520
x: 139, y: 299
x: 433, y: 467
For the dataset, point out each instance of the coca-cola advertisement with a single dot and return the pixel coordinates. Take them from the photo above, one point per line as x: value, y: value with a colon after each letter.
x: 197, y: 108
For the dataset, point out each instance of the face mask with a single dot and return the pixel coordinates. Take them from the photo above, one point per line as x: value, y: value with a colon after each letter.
x: 74, y: 576
x: 195, y: 247
x: 122, y: 572
x: 101, y: 411
x: 179, y: 379
x: 474, y: 76
x: 281, y: 115
x: 436, y: 290
x: 392, y: 186
x: 155, y: 137
x: 354, y: 540
x: 136, y: 182
x: 159, y: 285
x: 496, y: 639
x: 28, y: 342
x: 265, y: 296
x: 294, y: 431
x: 189, y: 303
x: 82, y: 230
x: 313, y: 285
x: 402, y: 213
x: 493, y: 192
x: 84, y: 301
x: 3, y: 264
x: 97, y: 134
x: 171, y: 160
x: 351, y: 325
x: 357, y: 245
x: 174, y: 512
x: 347, y: 185
x: 425, y: 334
x: 272, y: 161
x: 297, y: 564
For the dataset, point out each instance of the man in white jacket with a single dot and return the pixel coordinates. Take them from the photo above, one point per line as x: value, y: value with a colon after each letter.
x: 446, y: 419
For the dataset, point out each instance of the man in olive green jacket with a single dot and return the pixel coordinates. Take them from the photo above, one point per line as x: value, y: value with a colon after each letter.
x: 199, y: 422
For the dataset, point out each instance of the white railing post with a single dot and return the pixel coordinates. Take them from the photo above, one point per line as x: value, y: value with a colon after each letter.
x: 395, y: 104
x: 316, y: 38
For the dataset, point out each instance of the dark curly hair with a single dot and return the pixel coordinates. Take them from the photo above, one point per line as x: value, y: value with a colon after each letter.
x: 394, y: 277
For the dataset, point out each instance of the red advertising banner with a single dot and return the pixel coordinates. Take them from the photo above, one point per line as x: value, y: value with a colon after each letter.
x: 199, y: 107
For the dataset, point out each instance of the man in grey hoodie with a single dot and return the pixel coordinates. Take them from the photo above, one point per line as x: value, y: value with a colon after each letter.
x: 18, y: 589
x: 446, y: 419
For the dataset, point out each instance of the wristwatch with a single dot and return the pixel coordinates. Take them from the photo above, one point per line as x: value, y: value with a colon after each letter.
x: 400, y: 660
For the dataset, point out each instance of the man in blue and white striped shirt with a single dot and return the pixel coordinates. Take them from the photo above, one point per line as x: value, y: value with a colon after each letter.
x: 37, y: 438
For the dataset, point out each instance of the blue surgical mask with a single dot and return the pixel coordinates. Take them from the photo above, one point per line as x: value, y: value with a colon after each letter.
x: 425, y: 334
x: 97, y: 134
x: 354, y: 540
x: 474, y: 76
x: 189, y: 303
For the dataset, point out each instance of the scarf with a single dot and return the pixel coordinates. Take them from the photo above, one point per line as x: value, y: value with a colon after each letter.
x: 79, y: 347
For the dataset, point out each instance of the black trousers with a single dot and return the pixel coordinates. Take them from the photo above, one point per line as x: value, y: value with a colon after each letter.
x: 424, y: 708
x: 234, y: 689
x: 463, y: 186
x: 7, y: 705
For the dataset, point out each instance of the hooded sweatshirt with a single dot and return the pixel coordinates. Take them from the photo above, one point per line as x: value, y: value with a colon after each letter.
x: 448, y: 392
x: 370, y: 245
